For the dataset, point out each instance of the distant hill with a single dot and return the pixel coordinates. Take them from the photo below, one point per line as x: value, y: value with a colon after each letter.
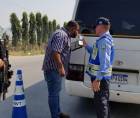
x: 9, y: 33
x: 7, y: 30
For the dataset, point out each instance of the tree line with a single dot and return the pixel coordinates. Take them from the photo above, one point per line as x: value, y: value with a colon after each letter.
x: 32, y: 30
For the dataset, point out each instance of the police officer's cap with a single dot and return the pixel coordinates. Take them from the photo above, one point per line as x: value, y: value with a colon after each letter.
x: 102, y: 21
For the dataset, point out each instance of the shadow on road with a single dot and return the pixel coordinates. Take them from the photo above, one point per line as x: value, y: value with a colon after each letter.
x: 37, y: 107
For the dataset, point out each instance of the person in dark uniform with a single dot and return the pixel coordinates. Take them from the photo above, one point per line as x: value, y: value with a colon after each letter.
x: 100, y: 66
x: 1, y: 68
x: 1, y: 55
x: 5, y: 72
x: 1, y: 63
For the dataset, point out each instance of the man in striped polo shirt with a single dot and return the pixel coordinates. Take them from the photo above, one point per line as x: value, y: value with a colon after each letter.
x: 55, y: 64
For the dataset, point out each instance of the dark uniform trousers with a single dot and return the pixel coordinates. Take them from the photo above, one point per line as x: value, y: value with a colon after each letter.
x: 101, y: 99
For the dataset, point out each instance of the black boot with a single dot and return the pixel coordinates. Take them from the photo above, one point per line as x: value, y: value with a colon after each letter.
x: 62, y: 115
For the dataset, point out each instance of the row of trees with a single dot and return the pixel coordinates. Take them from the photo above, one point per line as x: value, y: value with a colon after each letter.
x: 32, y: 30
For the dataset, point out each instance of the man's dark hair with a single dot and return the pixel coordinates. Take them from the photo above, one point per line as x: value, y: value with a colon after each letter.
x: 72, y: 24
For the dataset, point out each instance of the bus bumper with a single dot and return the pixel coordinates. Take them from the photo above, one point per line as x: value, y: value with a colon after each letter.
x: 75, y: 88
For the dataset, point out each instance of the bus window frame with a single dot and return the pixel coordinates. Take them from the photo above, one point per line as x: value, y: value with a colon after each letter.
x: 115, y: 36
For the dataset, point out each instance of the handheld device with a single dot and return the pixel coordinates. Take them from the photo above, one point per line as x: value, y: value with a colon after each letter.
x: 81, y: 40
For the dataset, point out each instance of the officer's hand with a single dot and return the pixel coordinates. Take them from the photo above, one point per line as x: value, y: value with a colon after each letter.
x: 1, y: 63
x: 96, y: 85
x: 62, y: 72
x: 84, y: 42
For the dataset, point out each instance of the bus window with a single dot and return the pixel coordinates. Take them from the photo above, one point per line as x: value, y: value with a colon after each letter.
x: 123, y: 14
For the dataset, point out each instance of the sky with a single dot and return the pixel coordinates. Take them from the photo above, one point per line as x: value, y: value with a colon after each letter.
x: 61, y: 10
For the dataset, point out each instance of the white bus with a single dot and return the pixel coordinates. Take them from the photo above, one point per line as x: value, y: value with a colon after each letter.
x: 124, y: 16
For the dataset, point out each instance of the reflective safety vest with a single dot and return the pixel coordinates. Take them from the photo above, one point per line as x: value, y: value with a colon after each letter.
x: 94, y: 63
x: 92, y: 70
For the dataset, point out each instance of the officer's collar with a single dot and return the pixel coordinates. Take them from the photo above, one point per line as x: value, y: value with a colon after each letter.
x: 104, y: 34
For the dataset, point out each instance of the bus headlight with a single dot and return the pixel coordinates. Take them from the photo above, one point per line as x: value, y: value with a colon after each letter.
x: 75, y: 72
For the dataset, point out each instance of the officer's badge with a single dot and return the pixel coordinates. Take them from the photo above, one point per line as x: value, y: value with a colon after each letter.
x: 95, y: 51
x: 100, y: 22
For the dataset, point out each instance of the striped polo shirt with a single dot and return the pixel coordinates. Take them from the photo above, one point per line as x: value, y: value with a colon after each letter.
x: 59, y: 42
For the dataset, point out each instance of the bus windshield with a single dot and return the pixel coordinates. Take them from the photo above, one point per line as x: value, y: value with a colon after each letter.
x: 123, y: 14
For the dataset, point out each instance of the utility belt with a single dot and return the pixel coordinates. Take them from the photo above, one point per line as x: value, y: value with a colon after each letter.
x: 93, y: 69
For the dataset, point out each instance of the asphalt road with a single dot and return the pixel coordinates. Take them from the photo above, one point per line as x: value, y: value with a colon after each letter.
x: 36, y: 96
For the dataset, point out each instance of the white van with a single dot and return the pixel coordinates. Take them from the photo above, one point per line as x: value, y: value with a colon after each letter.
x: 124, y: 16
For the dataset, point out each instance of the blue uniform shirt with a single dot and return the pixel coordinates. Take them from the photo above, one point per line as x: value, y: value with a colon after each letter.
x: 105, y: 47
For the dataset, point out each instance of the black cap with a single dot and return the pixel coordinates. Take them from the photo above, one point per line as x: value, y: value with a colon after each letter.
x: 102, y: 21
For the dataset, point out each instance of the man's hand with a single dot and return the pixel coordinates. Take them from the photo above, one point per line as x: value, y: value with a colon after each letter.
x: 95, y: 85
x: 62, y: 71
x: 57, y: 59
x: 1, y: 63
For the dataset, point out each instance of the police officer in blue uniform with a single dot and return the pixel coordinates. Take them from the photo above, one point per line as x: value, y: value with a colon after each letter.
x: 100, y: 66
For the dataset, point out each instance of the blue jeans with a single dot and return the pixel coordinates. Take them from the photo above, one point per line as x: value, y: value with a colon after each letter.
x: 54, y: 81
